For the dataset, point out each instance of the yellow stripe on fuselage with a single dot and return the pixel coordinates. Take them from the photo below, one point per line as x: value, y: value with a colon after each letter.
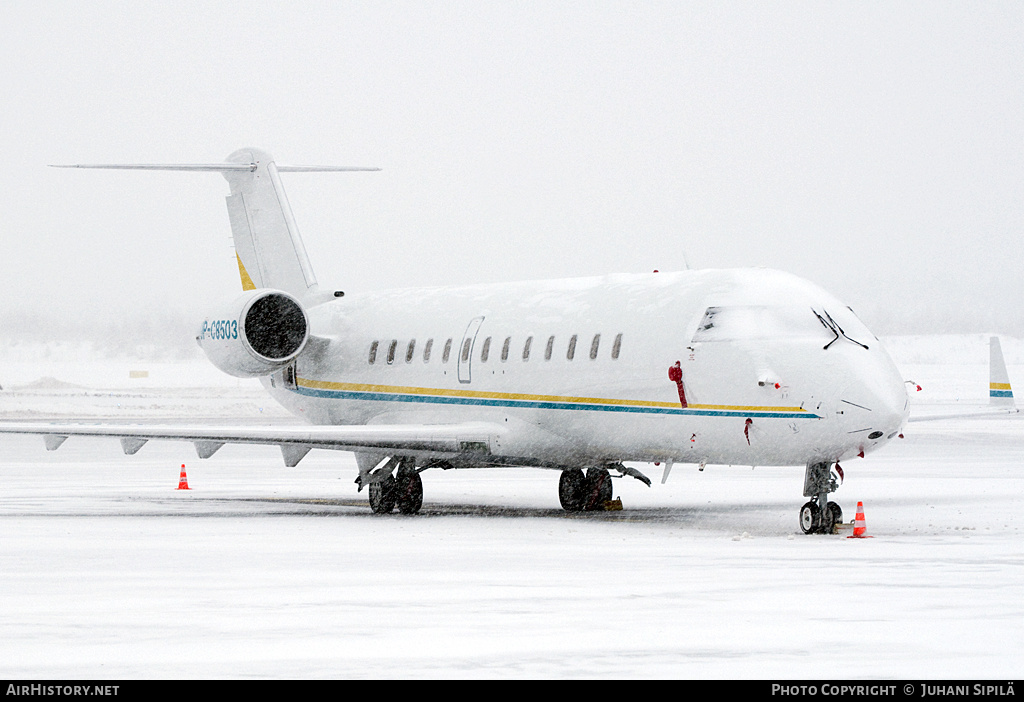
x: 999, y: 386
x: 522, y: 397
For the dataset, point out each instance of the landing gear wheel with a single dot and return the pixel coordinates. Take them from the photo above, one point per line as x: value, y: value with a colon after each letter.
x: 599, y: 488
x: 836, y: 513
x: 409, y: 492
x: 383, y: 495
x: 810, y: 518
x: 828, y: 521
x: 572, y: 487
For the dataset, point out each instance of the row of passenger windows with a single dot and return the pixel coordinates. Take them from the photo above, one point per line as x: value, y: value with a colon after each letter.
x: 485, y: 349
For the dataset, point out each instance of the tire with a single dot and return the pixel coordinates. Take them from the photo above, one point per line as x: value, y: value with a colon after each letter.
x: 572, y: 490
x: 837, y: 515
x: 599, y: 488
x: 383, y: 496
x: 810, y: 518
x: 828, y: 521
x: 409, y: 493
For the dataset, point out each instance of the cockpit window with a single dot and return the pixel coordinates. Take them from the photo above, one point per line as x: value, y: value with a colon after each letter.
x: 749, y: 323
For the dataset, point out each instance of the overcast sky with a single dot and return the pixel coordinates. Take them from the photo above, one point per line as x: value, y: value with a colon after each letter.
x: 874, y: 148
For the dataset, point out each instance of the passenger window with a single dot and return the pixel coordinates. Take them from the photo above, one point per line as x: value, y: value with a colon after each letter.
x: 504, y: 349
x: 485, y: 352
x: 447, y: 351
x: 526, y: 348
x: 410, y: 351
x: 549, y: 348
x: 373, y: 352
x: 426, y: 350
x: 391, y: 352
x: 465, y: 349
x: 571, y: 353
x: 617, y: 346
x: 594, y: 346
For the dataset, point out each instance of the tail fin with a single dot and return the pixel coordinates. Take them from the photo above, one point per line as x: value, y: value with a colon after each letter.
x: 1000, y: 394
x: 268, y: 247
x: 267, y: 243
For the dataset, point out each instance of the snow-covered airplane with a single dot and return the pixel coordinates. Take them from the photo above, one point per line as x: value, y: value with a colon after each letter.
x: 742, y: 367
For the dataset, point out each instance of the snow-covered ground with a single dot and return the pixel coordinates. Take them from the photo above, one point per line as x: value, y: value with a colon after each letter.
x: 264, y: 571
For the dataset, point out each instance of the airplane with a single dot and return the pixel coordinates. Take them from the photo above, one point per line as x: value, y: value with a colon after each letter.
x: 1000, y: 392
x: 582, y: 376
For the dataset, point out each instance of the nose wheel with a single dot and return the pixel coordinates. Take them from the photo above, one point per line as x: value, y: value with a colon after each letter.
x: 819, y: 516
x: 815, y: 521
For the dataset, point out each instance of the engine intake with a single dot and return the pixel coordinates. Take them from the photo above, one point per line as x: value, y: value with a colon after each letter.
x: 257, y: 334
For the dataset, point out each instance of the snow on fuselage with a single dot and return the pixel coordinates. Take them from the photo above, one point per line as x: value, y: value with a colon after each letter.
x: 577, y: 371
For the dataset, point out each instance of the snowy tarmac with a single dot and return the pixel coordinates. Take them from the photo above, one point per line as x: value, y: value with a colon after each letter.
x: 261, y: 571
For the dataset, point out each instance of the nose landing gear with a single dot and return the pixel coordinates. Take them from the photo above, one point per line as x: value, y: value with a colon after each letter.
x: 814, y: 521
x: 819, y: 516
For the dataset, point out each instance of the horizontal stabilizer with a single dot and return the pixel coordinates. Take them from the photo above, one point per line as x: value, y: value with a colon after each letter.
x: 269, y: 249
x: 323, y: 169
x: 215, y: 167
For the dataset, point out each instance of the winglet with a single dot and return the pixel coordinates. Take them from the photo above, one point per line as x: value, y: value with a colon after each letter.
x: 1000, y: 394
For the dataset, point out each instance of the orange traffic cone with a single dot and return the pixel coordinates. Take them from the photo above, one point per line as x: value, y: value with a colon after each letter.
x: 860, y: 527
x: 183, y: 480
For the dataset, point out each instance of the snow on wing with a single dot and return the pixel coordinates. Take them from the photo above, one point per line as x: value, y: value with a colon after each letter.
x: 440, y: 440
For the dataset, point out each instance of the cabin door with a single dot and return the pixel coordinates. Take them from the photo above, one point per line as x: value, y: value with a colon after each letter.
x: 466, y: 350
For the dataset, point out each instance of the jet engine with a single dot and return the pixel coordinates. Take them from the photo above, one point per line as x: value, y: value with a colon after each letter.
x: 258, y: 333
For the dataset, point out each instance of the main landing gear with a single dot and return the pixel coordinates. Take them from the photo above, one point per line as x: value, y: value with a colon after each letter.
x: 403, y: 490
x: 580, y: 492
x: 395, y: 483
x: 819, y: 516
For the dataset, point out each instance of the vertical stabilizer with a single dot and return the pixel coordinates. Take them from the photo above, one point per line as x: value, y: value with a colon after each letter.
x: 1000, y: 394
x: 267, y: 242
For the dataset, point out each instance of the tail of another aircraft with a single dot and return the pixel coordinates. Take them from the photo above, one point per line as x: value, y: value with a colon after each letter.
x: 268, y: 247
x: 1000, y: 394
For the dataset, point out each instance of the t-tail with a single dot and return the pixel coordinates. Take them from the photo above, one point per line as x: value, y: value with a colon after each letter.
x: 268, y: 247
x: 1000, y: 393
x: 266, y: 327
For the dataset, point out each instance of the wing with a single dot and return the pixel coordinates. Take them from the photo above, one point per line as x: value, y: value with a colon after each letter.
x: 441, y: 441
x: 980, y: 412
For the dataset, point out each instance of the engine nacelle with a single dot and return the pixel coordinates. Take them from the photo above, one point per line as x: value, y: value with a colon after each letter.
x: 257, y: 334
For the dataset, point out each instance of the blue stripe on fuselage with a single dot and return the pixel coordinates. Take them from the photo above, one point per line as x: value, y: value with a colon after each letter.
x: 533, y: 404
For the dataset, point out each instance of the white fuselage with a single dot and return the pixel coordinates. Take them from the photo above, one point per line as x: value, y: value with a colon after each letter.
x: 760, y: 386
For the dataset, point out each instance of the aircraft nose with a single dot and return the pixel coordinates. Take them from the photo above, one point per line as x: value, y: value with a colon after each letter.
x: 874, y: 407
